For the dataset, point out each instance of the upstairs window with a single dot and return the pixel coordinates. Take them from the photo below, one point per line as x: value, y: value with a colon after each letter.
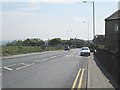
x: 116, y: 28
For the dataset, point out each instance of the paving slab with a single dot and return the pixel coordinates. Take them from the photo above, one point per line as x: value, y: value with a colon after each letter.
x: 96, y: 78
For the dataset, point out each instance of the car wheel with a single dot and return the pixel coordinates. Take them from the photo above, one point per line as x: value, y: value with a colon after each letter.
x: 89, y: 54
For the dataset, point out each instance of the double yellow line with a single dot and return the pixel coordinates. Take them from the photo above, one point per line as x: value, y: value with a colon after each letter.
x: 79, y: 74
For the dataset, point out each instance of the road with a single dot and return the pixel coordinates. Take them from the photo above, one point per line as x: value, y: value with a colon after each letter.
x: 51, y: 69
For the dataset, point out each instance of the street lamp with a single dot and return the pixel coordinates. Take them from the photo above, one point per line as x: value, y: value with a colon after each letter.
x: 88, y: 29
x: 93, y: 16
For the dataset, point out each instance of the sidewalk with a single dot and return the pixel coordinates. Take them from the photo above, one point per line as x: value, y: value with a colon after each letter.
x: 96, y: 78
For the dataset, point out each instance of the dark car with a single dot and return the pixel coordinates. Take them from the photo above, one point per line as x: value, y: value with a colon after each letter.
x: 66, y: 48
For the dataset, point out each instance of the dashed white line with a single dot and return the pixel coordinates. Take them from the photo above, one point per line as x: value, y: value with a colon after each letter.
x: 8, y: 68
x: 36, y: 61
x: 45, y: 60
x: 53, y: 57
x: 22, y: 67
x: 31, y: 64
x: 11, y: 65
x: 25, y: 66
x: 0, y: 74
x: 15, y: 64
x: 22, y: 63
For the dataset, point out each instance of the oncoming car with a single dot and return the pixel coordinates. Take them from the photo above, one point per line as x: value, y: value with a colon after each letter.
x: 85, y: 51
x: 66, y: 48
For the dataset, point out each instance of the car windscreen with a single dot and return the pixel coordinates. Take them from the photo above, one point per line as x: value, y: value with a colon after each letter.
x: 84, y: 49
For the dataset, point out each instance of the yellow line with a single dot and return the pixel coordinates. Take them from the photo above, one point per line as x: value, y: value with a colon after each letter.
x: 80, y: 81
x: 74, y: 83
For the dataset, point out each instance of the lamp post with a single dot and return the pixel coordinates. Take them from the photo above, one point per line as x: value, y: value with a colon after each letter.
x: 93, y: 16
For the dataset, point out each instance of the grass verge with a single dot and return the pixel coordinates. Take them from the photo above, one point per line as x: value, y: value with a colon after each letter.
x: 15, y: 50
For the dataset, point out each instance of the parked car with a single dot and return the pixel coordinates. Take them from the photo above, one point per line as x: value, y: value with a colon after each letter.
x: 66, y: 48
x: 85, y: 51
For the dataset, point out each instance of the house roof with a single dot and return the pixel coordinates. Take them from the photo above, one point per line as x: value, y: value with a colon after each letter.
x: 115, y: 15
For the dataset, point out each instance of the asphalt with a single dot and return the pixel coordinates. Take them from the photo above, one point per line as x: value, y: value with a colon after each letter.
x: 53, y: 69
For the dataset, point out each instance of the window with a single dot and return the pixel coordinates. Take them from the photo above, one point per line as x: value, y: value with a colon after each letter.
x: 116, y: 27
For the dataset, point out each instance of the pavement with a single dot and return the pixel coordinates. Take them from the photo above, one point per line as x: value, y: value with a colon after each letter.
x: 97, y: 78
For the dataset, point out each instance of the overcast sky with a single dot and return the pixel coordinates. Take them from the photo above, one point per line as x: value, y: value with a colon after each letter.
x: 48, y: 19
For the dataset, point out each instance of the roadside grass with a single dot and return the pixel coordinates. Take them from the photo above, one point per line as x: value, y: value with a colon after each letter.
x: 15, y: 50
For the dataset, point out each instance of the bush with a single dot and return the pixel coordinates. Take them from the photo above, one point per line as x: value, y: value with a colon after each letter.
x: 14, y: 50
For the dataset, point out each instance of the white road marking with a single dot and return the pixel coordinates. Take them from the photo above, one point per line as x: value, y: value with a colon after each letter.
x: 8, y: 68
x: 45, y: 60
x: 0, y: 74
x: 11, y: 65
x: 68, y: 55
x: 15, y: 64
x: 22, y: 63
x: 53, y: 57
x: 36, y: 61
x: 31, y: 64
x: 22, y: 67
x: 25, y: 66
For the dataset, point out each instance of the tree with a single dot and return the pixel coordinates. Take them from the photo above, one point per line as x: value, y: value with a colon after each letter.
x: 33, y: 42
x: 27, y: 42
x: 55, y: 41
x: 19, y: 43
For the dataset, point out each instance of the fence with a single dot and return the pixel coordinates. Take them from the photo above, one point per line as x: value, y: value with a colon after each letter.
x: 109, y: 59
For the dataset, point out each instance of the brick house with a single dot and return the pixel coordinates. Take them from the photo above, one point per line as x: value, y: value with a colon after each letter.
x: 111, y: 31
